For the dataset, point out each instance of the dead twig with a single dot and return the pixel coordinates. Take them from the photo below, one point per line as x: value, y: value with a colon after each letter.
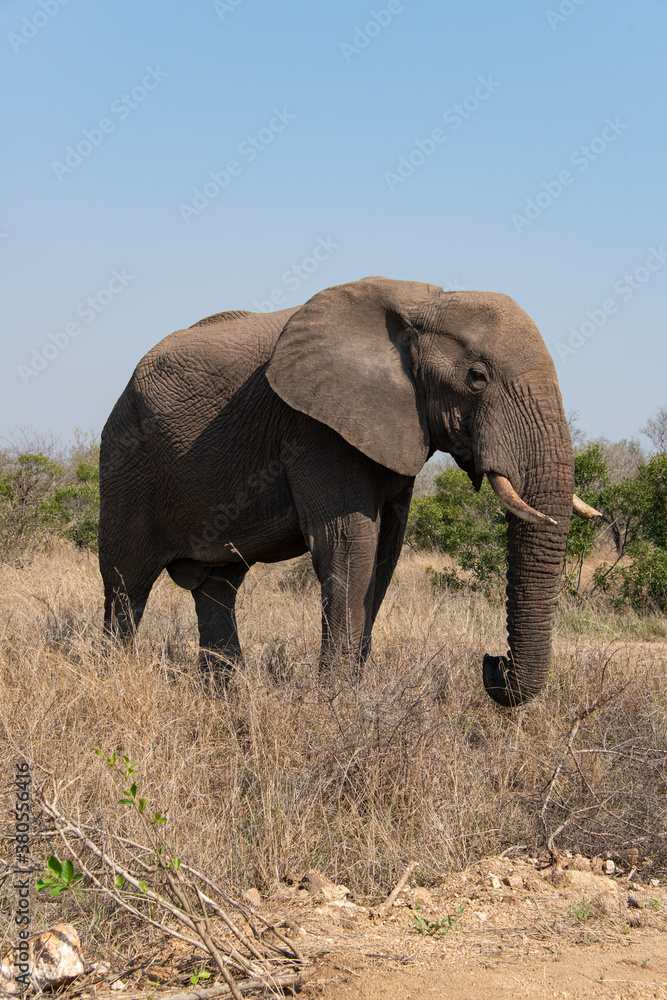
x: 602, y: 699
x: 244, y: 985
x: 185, y: 903
x: 384, y: 908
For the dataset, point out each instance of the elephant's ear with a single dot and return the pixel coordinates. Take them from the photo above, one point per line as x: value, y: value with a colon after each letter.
x: 347, y: 358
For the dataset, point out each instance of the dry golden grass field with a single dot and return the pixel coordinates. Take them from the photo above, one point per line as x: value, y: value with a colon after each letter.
x: 282, y: 773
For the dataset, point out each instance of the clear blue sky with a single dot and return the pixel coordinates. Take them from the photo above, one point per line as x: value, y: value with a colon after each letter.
x: 316, y: 117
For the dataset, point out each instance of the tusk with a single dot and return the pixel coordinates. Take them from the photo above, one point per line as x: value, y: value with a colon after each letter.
x: 582, y: 509
x: 508, y: 495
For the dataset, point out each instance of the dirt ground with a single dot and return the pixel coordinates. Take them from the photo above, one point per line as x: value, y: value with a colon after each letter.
x: 503, y: 928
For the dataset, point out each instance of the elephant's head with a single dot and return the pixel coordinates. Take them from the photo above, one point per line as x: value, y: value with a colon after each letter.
x: 401, y: 369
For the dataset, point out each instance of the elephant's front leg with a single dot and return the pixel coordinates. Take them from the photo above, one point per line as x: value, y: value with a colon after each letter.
x: 344, y: 554
x: 392, y: 532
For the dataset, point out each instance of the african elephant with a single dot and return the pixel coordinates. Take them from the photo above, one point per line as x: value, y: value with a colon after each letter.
x: 253, y: 437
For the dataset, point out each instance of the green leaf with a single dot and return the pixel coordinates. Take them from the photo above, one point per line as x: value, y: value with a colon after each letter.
x: 143, y: 886
x: 142, y: 803
x: 67, y: 871
x: 54, y: 865
x: 120, y: 882
x: 133, y: 790
x: 125, y: 802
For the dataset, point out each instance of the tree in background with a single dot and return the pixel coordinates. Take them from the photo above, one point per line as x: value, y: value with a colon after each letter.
x: 45, y: 496
x: 655, y: 430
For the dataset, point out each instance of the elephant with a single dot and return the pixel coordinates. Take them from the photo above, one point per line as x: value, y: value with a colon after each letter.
x: 260, y: 436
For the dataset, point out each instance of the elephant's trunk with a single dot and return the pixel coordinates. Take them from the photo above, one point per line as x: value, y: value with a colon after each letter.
x: 535, y: 561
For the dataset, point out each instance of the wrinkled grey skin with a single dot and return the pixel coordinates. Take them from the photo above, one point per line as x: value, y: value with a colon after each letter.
x: 256, y: 437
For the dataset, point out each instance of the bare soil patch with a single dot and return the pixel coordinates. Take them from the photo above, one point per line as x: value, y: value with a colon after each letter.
x: 516, y: 929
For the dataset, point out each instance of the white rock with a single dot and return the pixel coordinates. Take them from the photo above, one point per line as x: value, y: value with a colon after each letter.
x: 54, y: 958
x: 596, y: 888
x: 319, y: 885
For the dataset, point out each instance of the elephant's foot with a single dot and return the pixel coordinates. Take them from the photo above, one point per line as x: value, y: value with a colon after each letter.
x: 217, y: 668
x: 342, y: 669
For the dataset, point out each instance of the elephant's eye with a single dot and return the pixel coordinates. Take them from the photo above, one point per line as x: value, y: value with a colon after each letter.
x: 478, y: 377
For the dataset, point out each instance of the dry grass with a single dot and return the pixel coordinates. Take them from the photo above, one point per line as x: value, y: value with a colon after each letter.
x: 280, y: 773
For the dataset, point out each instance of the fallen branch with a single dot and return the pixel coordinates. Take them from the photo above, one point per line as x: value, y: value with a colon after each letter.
x: 246, y: 962
x: 384, y: 908
x: 244, y: 985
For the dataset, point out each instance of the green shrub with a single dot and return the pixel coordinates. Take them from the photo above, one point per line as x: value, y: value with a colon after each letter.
x: 470, y: 527
x: 41, y: 500
x: 463, y: 524
x: 590, y: 478
x: 74, y: 510
x: 637, y: 512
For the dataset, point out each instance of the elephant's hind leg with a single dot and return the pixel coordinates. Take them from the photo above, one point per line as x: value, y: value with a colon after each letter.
x: 125, y: 596
x: 215, y: 603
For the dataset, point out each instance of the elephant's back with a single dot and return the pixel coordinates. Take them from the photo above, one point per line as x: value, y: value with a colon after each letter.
x: 184, y: 383
x: 231, y: 345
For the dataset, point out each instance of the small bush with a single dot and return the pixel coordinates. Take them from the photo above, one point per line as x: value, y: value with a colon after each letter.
x: 636, y: 512
x: 463, y: 524
x: 41, y: 500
